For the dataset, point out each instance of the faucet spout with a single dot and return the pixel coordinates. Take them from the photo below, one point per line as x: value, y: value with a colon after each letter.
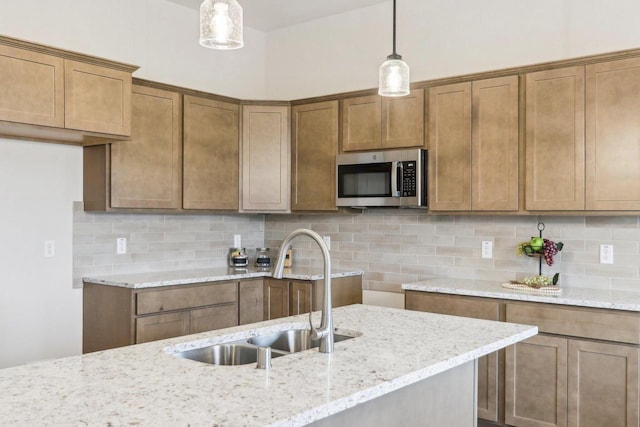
x: 325, y: 331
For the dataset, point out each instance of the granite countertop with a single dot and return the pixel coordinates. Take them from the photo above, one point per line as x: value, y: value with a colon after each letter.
x: 144, y: 385
x: 582, y: 297
x: 185, y: 277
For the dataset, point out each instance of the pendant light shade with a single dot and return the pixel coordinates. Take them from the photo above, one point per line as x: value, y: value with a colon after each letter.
x: 394, y: 72
x: 221, y: 24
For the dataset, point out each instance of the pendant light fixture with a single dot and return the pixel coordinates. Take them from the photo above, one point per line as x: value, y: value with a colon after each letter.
x: 394, y: 72
x: 221, y: 24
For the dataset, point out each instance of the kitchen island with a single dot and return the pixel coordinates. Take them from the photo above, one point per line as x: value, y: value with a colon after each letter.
x: 393, y: 351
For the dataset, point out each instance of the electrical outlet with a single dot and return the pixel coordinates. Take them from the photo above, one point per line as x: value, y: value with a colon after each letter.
x: 121, y: 246
x: 327, y: 240
x: 237, y: 241
x: 49, y: 248
x: 606, y: 254
x: 487, y: 249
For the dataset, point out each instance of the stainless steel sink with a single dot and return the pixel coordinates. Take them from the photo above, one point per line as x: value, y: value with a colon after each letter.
x: 244, y: 352
x: 291, y: 341
x: 237, y: 353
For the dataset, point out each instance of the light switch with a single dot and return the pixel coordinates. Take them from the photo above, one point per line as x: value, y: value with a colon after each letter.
x: 121, y: 245
x: 606, y: 254
x: 487, y: 249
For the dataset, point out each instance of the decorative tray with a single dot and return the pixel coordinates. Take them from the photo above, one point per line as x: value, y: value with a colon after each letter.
x: 543, y: 290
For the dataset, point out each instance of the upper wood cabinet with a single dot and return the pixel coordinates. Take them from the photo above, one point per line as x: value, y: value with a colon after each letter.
x: 210, y: 154
x: 473, y: 146
x: 97, y: 99
x: 49, y: 94
x: 374, y: 122
x: 314, y: 145
x: 555, y: 119
x: 613, y: 135
x: 266, y: 157
x: 449, y: 144
x: 146, y: 172
x: 32, y: 87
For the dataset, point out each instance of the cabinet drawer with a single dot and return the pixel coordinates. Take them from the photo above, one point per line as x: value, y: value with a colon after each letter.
x: 210, y: 318
x: 181, y: 298
x: 578, y: 322
x: 162, y: 326
x: 477, y: 308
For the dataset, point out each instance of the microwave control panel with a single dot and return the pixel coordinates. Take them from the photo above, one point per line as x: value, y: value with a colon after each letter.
x: 409, y: 178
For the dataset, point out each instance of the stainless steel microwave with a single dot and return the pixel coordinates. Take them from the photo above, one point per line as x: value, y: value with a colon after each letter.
x: 382, y: 178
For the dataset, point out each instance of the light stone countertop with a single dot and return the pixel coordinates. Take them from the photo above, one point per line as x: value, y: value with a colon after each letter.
x: 185, y: 277
x: 582, y: 297
x: 144, y: 385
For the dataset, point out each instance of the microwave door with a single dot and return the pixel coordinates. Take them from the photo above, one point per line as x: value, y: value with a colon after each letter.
x: 372, y: 184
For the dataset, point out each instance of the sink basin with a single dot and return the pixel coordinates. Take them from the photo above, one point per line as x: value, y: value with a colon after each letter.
x: 225, y: 354
x: 244, y: 352
x: 291, y: 341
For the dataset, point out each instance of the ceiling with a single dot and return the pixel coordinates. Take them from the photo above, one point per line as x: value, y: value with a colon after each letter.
x: 267, y: 15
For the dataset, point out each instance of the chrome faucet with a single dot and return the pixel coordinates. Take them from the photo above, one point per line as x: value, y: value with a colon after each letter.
x: 325, y: 332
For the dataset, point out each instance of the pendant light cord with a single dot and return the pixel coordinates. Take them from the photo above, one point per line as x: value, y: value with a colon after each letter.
x: 394, y: 28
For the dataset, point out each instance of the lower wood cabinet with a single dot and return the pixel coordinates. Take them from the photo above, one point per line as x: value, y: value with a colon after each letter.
x: 536, y: 382
x: 284, y: 297
x: 487, y: 365
x: 251, y: 301
x: 581, y: 370
x: 115, y: 317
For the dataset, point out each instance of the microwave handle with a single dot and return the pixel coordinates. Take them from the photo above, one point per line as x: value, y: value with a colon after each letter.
x: 396, y: 169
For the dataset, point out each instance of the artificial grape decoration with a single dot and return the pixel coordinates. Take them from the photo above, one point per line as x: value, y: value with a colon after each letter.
x: 549, y: 249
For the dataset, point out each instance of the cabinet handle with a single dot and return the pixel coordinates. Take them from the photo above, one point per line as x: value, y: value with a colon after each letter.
x: 269, y: 303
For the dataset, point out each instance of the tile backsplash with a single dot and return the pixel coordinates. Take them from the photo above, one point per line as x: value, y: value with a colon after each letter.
x: 399, y: 246
x: 157, y: 242
x: 391, y: 246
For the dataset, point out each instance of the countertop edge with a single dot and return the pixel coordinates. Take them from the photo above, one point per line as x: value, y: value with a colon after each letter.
x: 500, y: 293
x: 203, y: 278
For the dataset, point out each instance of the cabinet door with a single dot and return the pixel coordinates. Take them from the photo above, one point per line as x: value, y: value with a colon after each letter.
x: 361, y: 123
x: 265, y: 158
x: 97, y: 99
x: 161, y: 326
x: 32, y: 89
x: 555, y: 140
x: 146, y: 172
x: 449, y: 143
x: 487, y: 365
x: 276, y: 299
x: 603, y: 384
x: 613, y: 135
x: 300, y: 298
x: 208, y: 319
x: 314, y: 145
x: 536, y: 382
x: 403, y: 120
x: 210, y: 154
x: 251, y: 301
x: 494, y: 145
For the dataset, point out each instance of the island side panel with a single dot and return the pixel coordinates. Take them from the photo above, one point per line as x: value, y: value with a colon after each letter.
x: 446, y: 399
x: 106, y: 317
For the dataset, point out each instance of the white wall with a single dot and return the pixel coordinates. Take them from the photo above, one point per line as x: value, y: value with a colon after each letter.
x: 159, y: 36
x: 39, y: 311
x: 440, y: 38
x: 40, y: 314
